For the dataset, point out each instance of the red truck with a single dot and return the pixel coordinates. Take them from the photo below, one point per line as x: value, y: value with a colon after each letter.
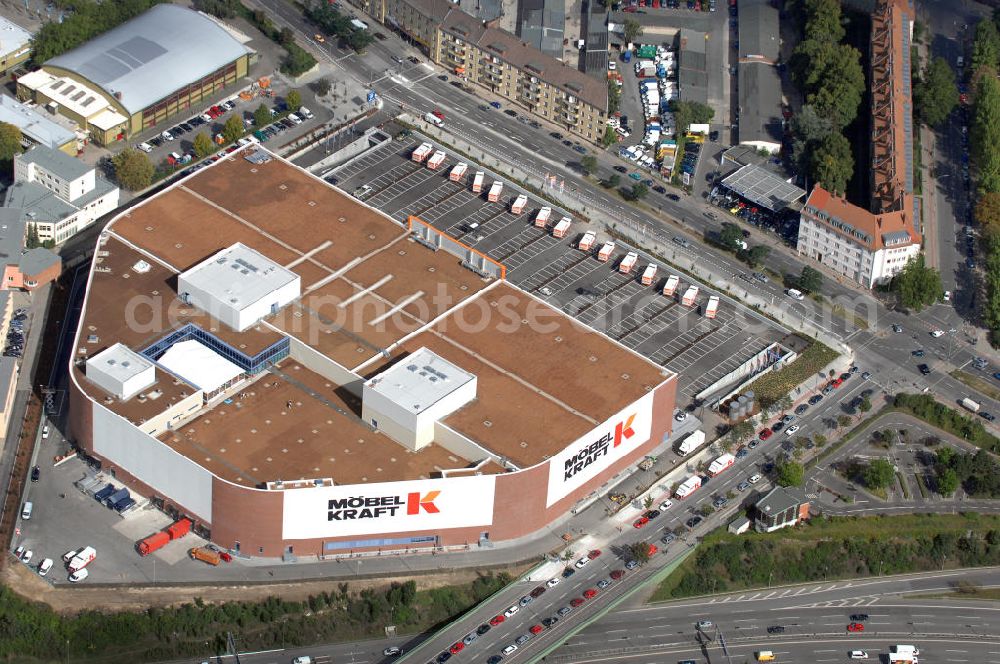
x: 176, y: 530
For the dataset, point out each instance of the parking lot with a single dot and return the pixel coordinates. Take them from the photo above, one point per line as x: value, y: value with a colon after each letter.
x: 702, y: 350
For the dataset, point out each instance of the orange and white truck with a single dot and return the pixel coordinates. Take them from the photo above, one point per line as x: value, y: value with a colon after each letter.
x: 561, y: 227
x: 689, y: 486
x: 477, y: 182
x: 436, y: 160
x: 670, y: 287
x: 84, y: 557
x: 495, y: 190
x: 690, y: 295
x: 625, y: 267
x: 457, y: 171
x: 517, y: 207
x: 649, y: 274
x: 587, y: 241
x: 542, y: 218
x: 605, y: 253
x: 713, y: 307
x: 421, y: 152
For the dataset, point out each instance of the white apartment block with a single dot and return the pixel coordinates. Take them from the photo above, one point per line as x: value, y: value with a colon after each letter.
x: 59, y: 195
x: 867, y: 248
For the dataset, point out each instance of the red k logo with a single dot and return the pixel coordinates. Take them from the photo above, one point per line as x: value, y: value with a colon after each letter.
x: 414, y: 502
x: 623, y: 430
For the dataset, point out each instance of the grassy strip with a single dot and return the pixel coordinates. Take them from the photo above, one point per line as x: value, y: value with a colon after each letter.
x: 198, y: 629
x: 922, y: 485
x: 776, y: 384
x: 829, y: 548
x: 924, y: 407
x: 902, y: 486
x: 976, y: 383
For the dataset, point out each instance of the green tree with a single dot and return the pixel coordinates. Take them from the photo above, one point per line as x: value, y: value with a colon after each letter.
x: 687, y: 113
x: 824, y: 22
x: 810, y: 280
x: 987, y: 212
x: 784, y: 403
x: 639, y: 551
x: 917, y: 285
x: 808, y: 129
x: 233, y: 129
x: 757, y: 255
x: 790, y: 473
x: 10, y: 142
x: 321, y: 86
x: 865, y: 405
x: 647, y: 502
x: 730, y: 236
x: 610, y: 136
x: 633, y: 29
x: 294, y: 100
x: 286, y: 36
x: 614, y: 97
x: 203, y: 145
x: 133, y: 169
x: 879, y: 474
x: 359, y: 40
x: 262, y: 116
x: 739, y: 433
x: 935, y: 95
x: 297, y: 60
x: 985, y: 46
x: 833, y: 163
x: 589, y: 164
x: 637, y: 192
x: 947, y: 482
x: 819, y: 439
x: 613, y: 181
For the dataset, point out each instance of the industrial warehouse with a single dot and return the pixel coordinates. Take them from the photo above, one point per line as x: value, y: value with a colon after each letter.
x: 140, y: 73
x: 366, y: 385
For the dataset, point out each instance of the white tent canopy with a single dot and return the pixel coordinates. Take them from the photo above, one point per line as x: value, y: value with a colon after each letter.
x: 199, y: 365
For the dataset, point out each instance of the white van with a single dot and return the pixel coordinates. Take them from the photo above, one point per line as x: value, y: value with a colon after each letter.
x: 906, y: 649
x: 305, y: 112
x: 26, y: 512
x: 434, y: 120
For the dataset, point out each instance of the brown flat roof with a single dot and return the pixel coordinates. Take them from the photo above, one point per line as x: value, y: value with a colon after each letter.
x: 258, y: 438
x: 369, y: 291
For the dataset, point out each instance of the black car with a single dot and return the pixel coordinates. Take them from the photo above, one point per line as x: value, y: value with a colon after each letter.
x: 511, y: 112
x: 568, y: 572
x: 660, y: 189
x: 777, y: 426
x: 918, y: 353
x: 494, y: 659
x: 801, y: 408
x: 568, y: 143
x: 580, y: 149
x: 776, y: 629
x: 924, y: 369
x: 36, y: 472
x: 621, y: 169
x: 443, y: 657
x: 859, y: 617
x: 482, y: 629
x: 442, y: 77
x: 815, y: 399
x: 989, y: 417
x: 713, y: 135
x: 673, y: 197
x: 556, y: 135
x: 652, y: 514
x: 550, y: 621
x: 693, y: 521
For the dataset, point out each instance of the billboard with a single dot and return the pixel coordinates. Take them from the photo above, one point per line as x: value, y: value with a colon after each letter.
x: 593, y: 452
x: 388, y: 507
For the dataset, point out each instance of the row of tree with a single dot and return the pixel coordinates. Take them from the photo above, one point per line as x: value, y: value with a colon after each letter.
x: 978, y: 473
x: 984, y: 137
x: 828, y: 73
x: 328, y: 18
x: 86, y: 20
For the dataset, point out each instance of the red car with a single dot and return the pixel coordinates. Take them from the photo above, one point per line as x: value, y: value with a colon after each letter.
x: 438, y: 114
x: 836, y: 382
x: 457, y: 647
x: 496, y: 620
x: 594, y: 554
x: 577, y: 601
x: 617, y: 574
x: 537, y: 592
x: 640, y: 522
x: 765, y: 434
x: 590, y: 593
x: 855, y: 627
x: 535, y: 629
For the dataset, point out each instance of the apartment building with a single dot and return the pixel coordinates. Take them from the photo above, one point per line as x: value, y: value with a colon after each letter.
x: 780, y: 508
x: 864, y: 247
x: 870, y: 245
x: 500, y: 62
x: 57, y: 194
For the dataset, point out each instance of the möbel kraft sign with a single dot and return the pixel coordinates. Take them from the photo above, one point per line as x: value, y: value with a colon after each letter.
x: 592, y: 453
x: 388, y: 507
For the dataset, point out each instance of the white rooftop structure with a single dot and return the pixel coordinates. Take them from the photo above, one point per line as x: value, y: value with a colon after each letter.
x: 239, y: 286
x: 13, y: 37
x: 34, y: 125
x: 148, y: 58
x: 78, y: 98
x: 407, y: 400
x: 199, y: 365
x: 121, y: 371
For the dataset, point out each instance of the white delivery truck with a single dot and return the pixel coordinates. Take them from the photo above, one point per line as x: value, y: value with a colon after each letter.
x: 689, y: 486
x: 970, y: 405
x: 83, y: 558
x: 691, y: 442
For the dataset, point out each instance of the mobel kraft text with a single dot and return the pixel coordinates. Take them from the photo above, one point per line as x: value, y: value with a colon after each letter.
x: 599, y: 448
x: 373, y: 507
